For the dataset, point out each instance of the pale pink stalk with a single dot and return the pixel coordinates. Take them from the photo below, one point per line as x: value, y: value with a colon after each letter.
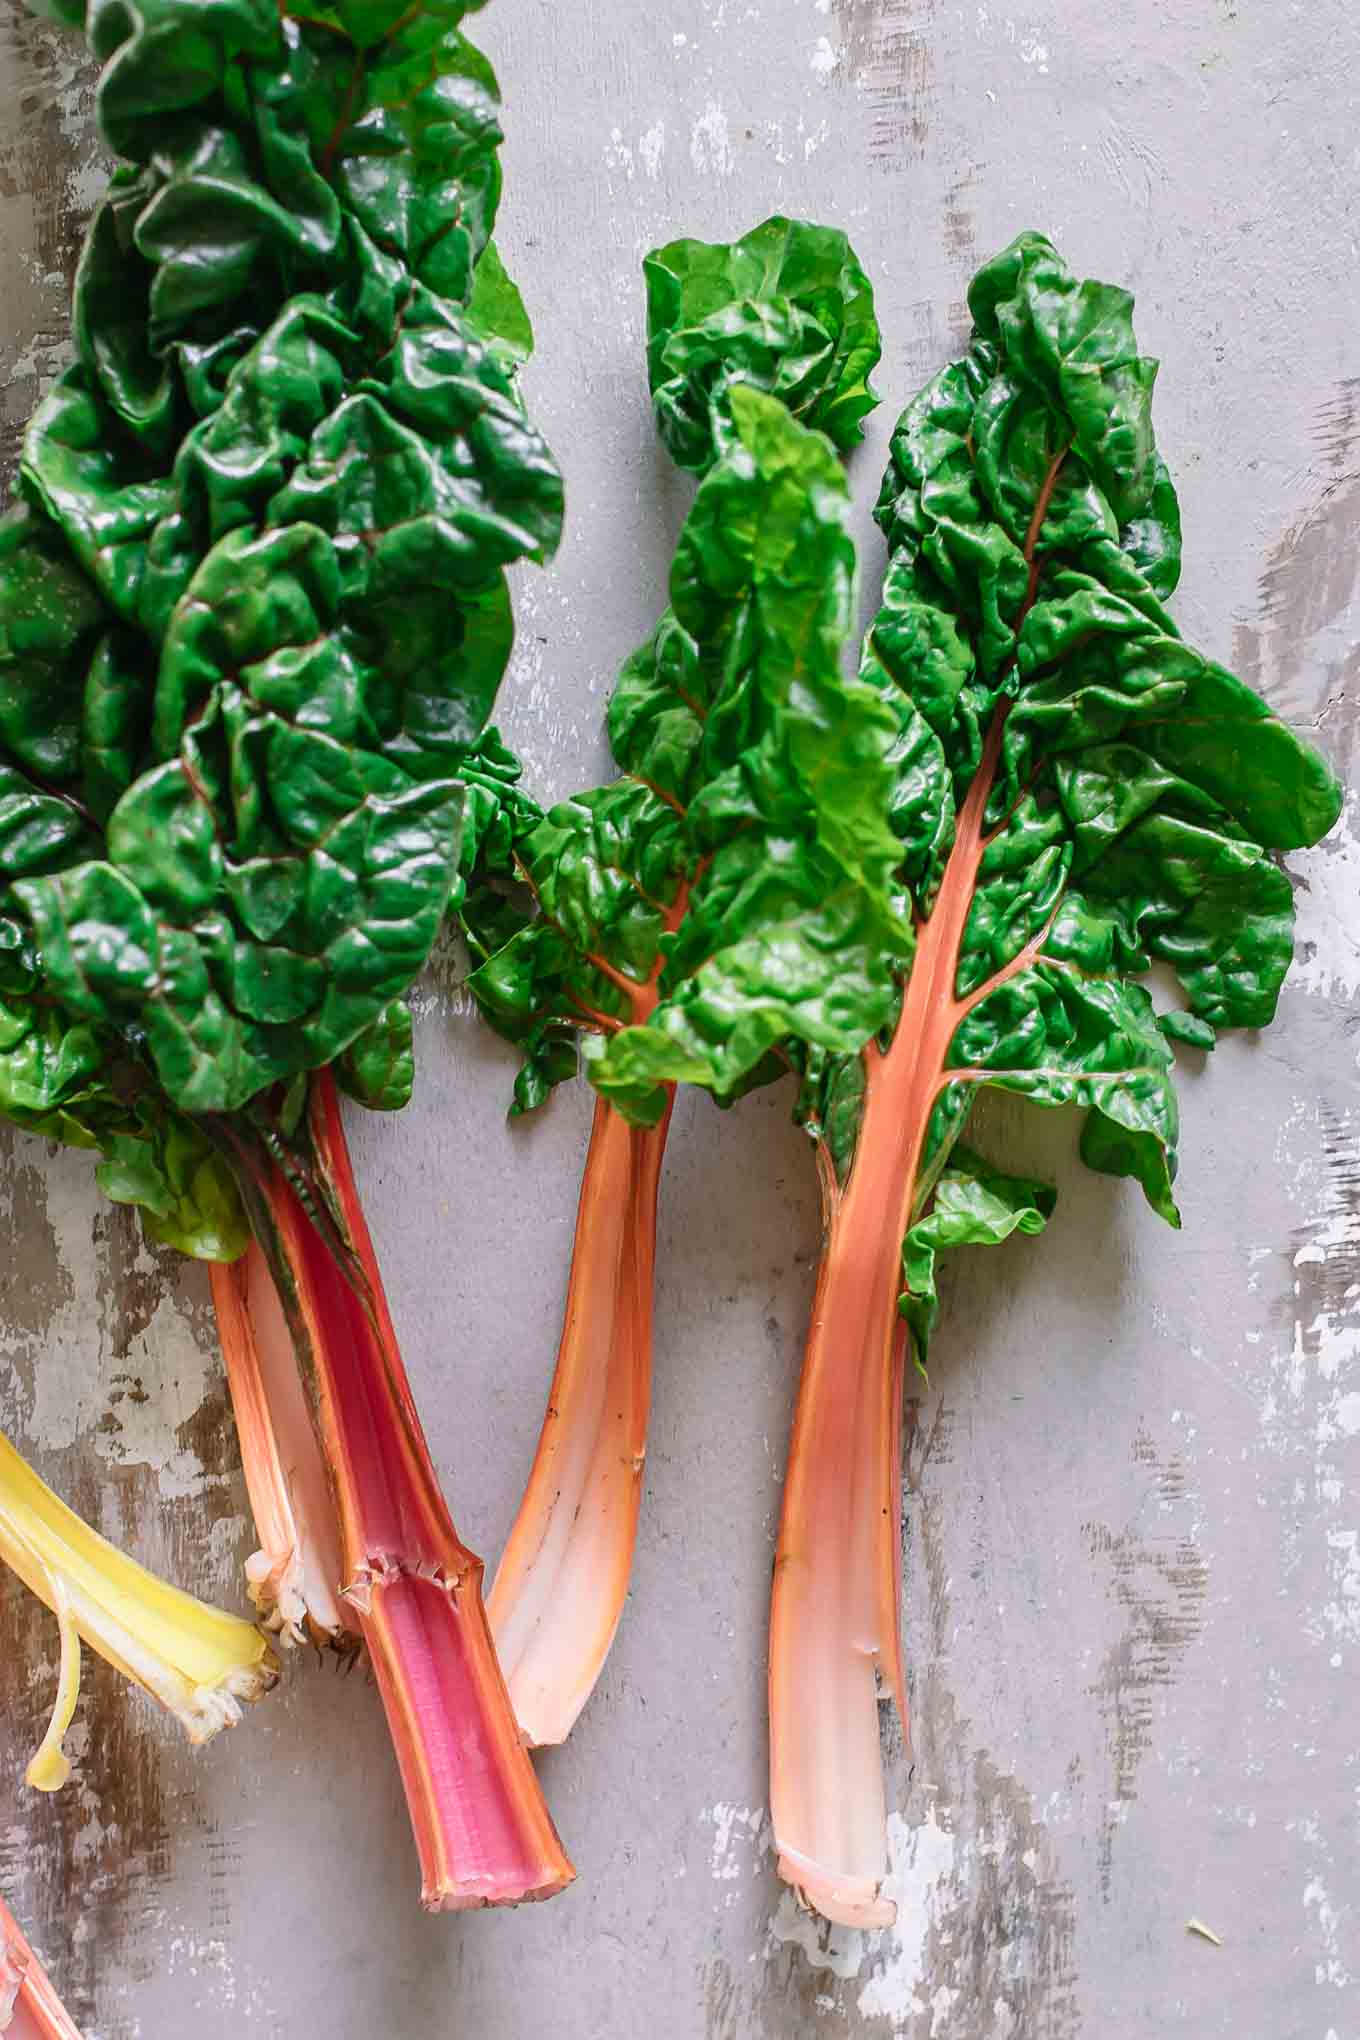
x: 295, y: 1577
x: 834, y: 1616
x: 835, y: 1620
x: 29, y: 2006
x: 563, y: 1577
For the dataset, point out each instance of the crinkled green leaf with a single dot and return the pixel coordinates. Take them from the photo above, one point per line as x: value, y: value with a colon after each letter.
x: 1129, y: 794
x: 729, y: 891
x: 186, y: 1190
x: 974, y: 1205
x: 786, y: 308
x: 255, y: 614
x: 378, y: 1068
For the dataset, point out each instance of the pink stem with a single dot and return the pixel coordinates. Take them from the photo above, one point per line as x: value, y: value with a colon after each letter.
x: 483, y: 1833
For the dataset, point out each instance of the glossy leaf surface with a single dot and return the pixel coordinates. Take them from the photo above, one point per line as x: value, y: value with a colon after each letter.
x: 1125, y: 794
x: 787, y: 308
x: 253, y: 613
x: 729, y: 890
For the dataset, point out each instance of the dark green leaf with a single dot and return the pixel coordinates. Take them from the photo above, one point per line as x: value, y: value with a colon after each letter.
x: 728, y: 893
x: 1080, y: 794
x: 787, y: 309
x: 256, y: 613
x: 378, y: 1068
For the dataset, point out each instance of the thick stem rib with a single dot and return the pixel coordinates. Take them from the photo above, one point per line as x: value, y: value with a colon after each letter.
x: 198, y: 1661
x: 29, y: 2006
x: 295, y: 1577
x: 563, y: 1578
x: 482, y: 1830
x: 562, y: 1582
x: 835, y: 1617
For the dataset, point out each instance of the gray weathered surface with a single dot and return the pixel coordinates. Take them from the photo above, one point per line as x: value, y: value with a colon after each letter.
x: 1134, y: 1575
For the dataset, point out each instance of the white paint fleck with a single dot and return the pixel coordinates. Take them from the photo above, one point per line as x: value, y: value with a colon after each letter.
x: 826, y: 58
x: 1327, y: 911
x: 617, y: 154
x: 132, y: 1411
x: 741, y: 1841
x: 710, y: 151
x: 651, y: 146
x: 1340, y: 1613
x: 1331, y: 1969
x: 1032, y: 51
x: 922, y: 1859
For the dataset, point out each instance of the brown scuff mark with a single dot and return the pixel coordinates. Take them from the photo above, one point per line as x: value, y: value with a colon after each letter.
x: 1158, y: 1579
x: 84, y: 1861
x: 135, y: 1277
x: 45, y: 173
x: 885, y: 54
x: 925, y: 1446
x: 88, y: 1862
x: 1325, y: 1254
x: 1309, y: 584
x: 1002, y: 1942
x: 33, y: 1282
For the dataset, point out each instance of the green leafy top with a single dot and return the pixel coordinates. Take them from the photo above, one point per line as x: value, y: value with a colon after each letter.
x: 1080, y: 794
x: 695, y: 913
x: 786, y: 308
x: 253, y: 606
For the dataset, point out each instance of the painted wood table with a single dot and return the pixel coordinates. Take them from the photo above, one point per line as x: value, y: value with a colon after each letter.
x: 1133, y: 1569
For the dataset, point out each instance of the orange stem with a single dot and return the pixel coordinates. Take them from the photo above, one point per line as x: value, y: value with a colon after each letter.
x: 835, y: 1609
x: 835, y: 1614
x: 29, y: 2006
x: 563, y: 1579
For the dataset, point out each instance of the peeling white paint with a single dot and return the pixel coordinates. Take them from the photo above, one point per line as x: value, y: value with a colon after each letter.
x: 651, y: 147
x: 825, y: 58
x: 710, y: 150
x: 837, y: 1949
x: 131, y: 1411
x: 742, y: 1844
x: 617, y: 154
x: 923, y: 1867
x: 1331, y: 1969
x: 1327, y: 912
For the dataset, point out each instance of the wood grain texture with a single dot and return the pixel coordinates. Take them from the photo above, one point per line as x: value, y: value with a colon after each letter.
x: 1132, y: 1535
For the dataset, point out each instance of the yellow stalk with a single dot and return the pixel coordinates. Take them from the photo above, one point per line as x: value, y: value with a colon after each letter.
x: 198, y: 1661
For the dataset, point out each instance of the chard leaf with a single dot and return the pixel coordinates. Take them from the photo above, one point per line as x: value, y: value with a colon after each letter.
x: 378, y: 1068
x: 729, y: 891
x: 1080, y: 794
x: 974, y: 1205
x: 787, y: 309
x: 186, y: 1190
x: 496, y: 312
x: 254, y: 613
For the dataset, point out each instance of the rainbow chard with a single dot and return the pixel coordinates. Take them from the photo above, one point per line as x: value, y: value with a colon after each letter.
x: 711, y: 902
x: 199, y: 1662
x: 29, y: 2007
x: 1080, y: 796
x: 253, y: 615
